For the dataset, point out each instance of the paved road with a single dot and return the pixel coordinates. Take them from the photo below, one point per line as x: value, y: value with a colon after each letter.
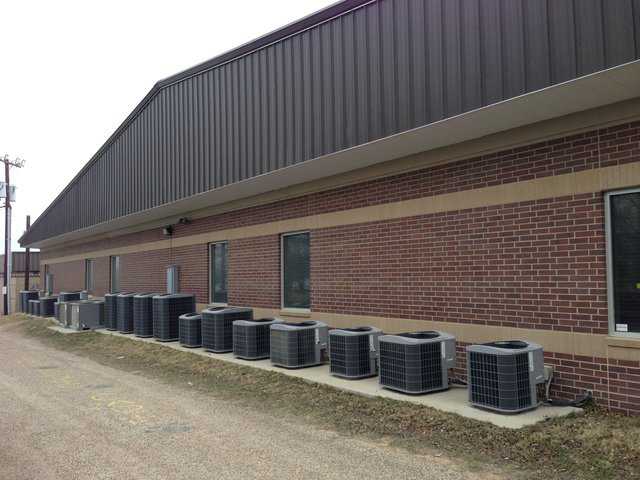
x: 65, y: 417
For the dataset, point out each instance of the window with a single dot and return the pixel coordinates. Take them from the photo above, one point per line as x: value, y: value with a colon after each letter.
x: 115, y: 273
x: 295, y: 271
x: 218, y: 272
x: 48, y: 280
x: 622, y: 216
x: 88, y: 275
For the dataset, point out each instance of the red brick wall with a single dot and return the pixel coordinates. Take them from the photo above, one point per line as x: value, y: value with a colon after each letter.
x: 254, y: 272
x: 615, y: 383
x: 534, y: 265
x: 120, y: 241
x: 67, y: 276
x: 253, y: 276
x: 194, y: 270
x: 144, y: 271
x: 531, y: 265
x: 101, y: 277
x: 147, y: 271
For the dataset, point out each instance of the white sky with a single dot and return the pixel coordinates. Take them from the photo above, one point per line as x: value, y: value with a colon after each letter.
x: 71, y: 71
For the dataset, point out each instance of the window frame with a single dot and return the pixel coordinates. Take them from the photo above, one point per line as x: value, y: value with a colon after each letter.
x: 211, y: 269
x: 89, y: 274
x: 48, y: 279
x: 609, y: 262
x: 111, y: 273
x: 282, y: 305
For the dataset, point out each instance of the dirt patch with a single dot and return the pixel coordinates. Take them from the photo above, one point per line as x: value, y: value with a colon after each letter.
x: 596, y: 445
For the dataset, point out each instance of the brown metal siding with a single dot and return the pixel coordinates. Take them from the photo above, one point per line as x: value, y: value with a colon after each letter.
x: 19, y: 262
x: 383, y: 68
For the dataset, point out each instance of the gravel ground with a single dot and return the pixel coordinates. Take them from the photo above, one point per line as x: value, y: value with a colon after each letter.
x: 66, y: 417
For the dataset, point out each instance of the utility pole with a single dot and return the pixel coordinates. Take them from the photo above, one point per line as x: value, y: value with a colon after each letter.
x: 7, y: 230
x: 27, y: 259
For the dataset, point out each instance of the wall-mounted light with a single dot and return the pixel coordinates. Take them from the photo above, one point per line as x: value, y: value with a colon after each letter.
x: 184, y: 221
x: 167, y: 231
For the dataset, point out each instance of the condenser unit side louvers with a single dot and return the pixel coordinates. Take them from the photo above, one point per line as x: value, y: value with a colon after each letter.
x: 91, y: 314
x: 124, y: 312
x: 74, y: 309
x: 298, y: 344
x: 67, y: 320
x: 111, y: 311
x: 143, y: 315
x: 34, y: 307
x: 190, y: 330
x: 47, y: 306
x: 503, y: 376
x: 62, y: 313
x: 217, y: 327
x: 80, y: 314
x: 25, y: 296
x: 353, y: 352
x: 252, y: 338
x: 75, y: 315
x: 416, y: 362
x: 167, y: 309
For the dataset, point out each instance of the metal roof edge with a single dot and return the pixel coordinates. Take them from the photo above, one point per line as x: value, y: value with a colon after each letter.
x: 575, y: 95
x: 311, y: 20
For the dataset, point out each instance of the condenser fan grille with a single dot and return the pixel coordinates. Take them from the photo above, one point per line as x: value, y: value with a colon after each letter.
x: 110, y: 312
x: 124, y: 314
x: 143, y: 316
x: 190, y: 331
x: 166, y: 312
x: 251, y: 341
x: 47, y: 306
x: 411, y: 368
x: 25, y: 296
x: 34, y: 307
x: 350, y: 355
x: 500, y: 381
x: 293, y: 348
x: 217, y: 329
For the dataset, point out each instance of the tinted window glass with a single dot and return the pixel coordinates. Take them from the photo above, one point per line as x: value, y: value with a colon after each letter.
x: 115, y: 274
x: 88, y: 275
x: 218, y: 268
x: 625, y: 256
x: 295, y: 271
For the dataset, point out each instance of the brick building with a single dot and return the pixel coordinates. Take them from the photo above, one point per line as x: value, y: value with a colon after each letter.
x: 410, y: 164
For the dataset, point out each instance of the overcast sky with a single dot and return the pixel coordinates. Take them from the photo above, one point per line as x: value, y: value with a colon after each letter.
x: 71, y: 71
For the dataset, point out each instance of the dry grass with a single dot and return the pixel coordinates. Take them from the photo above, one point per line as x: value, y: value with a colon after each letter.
x: 596, y: 445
